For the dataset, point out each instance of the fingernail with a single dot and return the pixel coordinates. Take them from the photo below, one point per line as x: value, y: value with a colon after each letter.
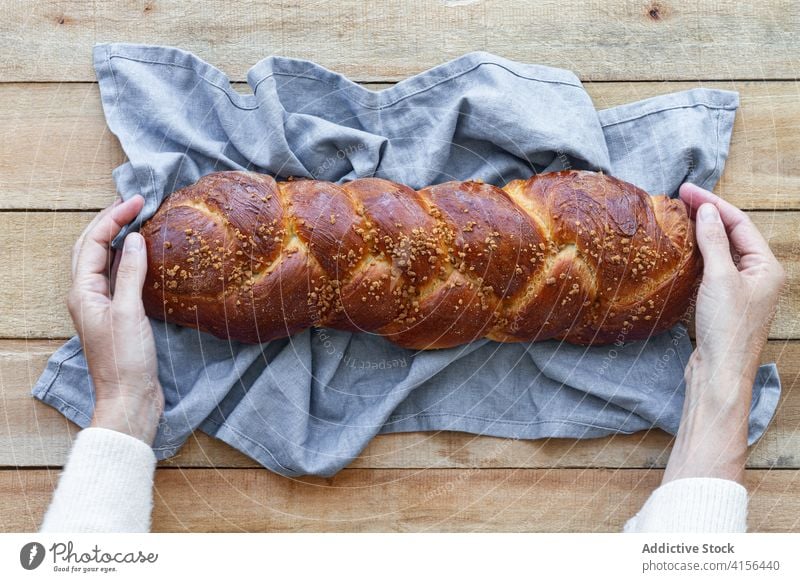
x: 134, y: 242
x: 708, y: 213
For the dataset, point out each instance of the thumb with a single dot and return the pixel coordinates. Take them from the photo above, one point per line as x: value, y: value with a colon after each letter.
x: 131, y: 272
x: 713, y: 241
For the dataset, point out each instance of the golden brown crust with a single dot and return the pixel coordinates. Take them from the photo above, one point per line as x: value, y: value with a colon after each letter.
x: 571, y: 255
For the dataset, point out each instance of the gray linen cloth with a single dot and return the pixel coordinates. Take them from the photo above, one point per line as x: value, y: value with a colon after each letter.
x: 311, y: 403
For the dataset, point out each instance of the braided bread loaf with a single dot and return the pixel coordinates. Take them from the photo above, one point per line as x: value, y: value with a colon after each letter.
x: 577, y: 256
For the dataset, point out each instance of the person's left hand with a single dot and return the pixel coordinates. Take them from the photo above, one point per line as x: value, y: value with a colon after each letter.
x: 115, y: 333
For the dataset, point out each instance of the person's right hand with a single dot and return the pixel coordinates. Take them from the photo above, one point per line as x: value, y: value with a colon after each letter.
x: 738, y: 294
x: 736, y: 302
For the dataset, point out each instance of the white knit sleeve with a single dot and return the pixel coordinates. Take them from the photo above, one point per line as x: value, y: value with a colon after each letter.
x: 693, y: 504
x: 106, y: 485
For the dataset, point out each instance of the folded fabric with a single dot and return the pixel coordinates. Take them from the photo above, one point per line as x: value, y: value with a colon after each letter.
x: 309, y: 404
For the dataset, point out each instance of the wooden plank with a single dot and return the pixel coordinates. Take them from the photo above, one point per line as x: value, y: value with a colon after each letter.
x: 33, y: 434
x: 763, y: 167
x: 387, y: 41
x: 58, y: 153
x: 35, y: 249
x: 435, y: 500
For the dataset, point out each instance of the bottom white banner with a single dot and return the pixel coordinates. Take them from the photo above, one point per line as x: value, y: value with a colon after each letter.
x: 425, y: 557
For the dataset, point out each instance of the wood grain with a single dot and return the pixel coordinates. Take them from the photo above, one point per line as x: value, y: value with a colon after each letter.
x: 35, y: 249
x: 59, y: 154
x: 33, y: 434
x: 435, y: 500
x: 371, y: 40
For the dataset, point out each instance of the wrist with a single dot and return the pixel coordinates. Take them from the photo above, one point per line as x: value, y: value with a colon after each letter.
x: 135, y: 415
x: 719, y: 386
x: 712, y: 438
x: 138, y: 428
x: 709, y: 443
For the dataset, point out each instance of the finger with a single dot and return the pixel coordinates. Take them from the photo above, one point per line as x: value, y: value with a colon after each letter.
x: 93, y: 256
x: 713, y: 242
x: 131, y: 273
x: 744, y: 235
x: 694, y: 196
x: 76, y: 249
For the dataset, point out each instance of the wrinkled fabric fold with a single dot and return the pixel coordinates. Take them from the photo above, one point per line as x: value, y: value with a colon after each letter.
x: 310, y: 404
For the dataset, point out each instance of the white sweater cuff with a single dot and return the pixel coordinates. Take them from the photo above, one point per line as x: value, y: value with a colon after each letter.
x: 693, y: 504
x: 106, y: 485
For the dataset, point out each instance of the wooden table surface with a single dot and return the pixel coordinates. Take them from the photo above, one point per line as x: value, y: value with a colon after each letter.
x: 55, y: 173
